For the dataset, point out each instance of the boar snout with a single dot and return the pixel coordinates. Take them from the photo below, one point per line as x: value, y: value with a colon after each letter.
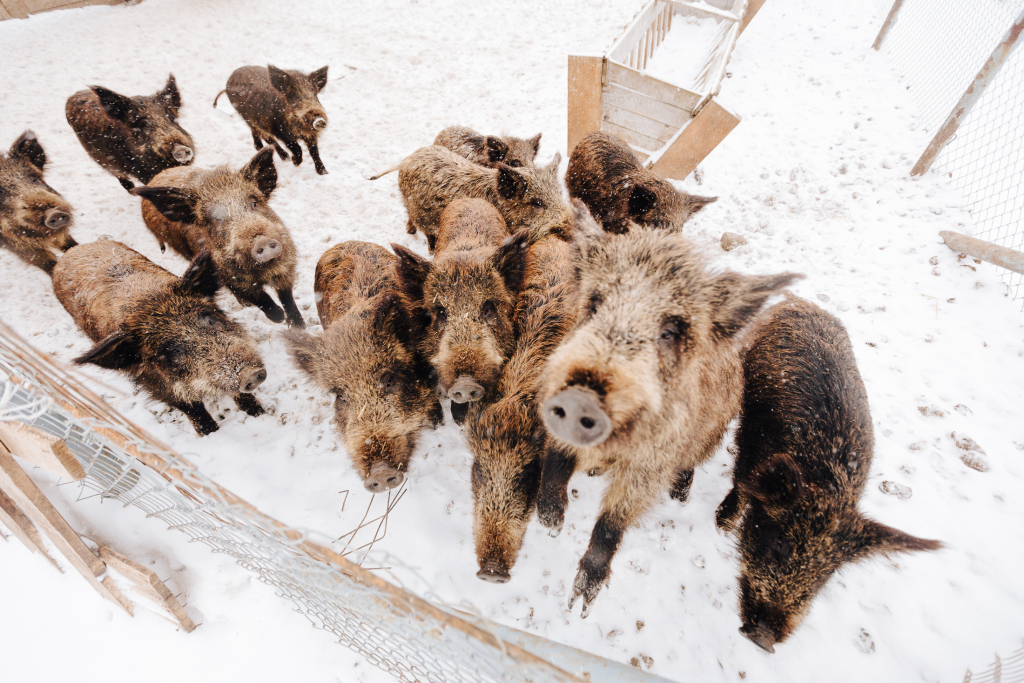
x: 319, y: 123
x: 383, y: 477
x: 493, y: 571
x: 57, y: 219
x: 465, y: 389
x: 575, y: 416
x: 760, y: 635
x: 182, y: 154
x: 250, y: 378
x: 266, y: 249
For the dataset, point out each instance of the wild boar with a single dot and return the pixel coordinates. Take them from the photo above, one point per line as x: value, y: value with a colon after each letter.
x: 35, y: 221
x: 131, y: 137
x: 506, y: 435
x: 280, y: 105
x: 163, y: 331
x: 646, y: 382
x: 366, y: 358
x: 432, y: 177
x: 605, y: 175
x: 226, y: 211
x: 805, y: 446
x: 466, y: 299
x: 489, y: 150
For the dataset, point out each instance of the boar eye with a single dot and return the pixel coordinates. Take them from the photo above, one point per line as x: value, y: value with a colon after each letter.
x: 672, y: 332
x: 440, y: 315
x: 339, y: 398
x: 172, y: 353
x: 515, y: 163
x: 489, y: 311
x: 537, y: 203
x: 389, y: 383
x: 595, y: 303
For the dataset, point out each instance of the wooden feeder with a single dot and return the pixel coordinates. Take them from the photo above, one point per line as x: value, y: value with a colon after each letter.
x: 670, y: 126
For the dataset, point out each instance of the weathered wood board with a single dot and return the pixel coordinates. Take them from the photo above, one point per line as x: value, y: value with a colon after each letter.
x: 41, y: 449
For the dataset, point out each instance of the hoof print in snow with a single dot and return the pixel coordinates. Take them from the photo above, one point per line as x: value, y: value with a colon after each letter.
x: 973, y: 455
x: 731, y: 240
x: 699, y: 561
x: 931, y: 411
x: 894, y: 489
x: 864, y: 642
x: 648, y: 662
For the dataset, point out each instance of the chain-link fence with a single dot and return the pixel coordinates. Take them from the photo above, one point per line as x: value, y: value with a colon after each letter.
x: 940, y: 46
x: 1009, y: 670
x: 404, y: 634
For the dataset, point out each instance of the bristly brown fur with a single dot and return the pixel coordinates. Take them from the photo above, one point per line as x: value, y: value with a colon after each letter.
x: 489, y: 150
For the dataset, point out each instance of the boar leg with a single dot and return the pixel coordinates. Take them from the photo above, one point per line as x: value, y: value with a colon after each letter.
x: 68, y: 242
x: 728, y: 513
x: 459, y: 411
x: 126, y: 183
x: 280, y: 152
x: 256, y: 138
x: 553, y: 498
x: 291, y: 311
x: 595, y: 566
x: 293, y: 147
x: 410, y: 227
x: 314, y: 154
x: 198, y: 415
x: 261, y: 300
x: 249, y: 404
x: 681, y: 486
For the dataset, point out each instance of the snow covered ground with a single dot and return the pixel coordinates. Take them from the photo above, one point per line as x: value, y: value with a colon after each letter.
x: 816, y: 177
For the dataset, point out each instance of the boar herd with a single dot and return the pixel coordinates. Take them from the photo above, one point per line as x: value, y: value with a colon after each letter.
x: 585, y: 334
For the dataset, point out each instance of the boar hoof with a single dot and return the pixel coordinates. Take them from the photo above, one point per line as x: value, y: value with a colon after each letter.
x: 575, y: 416
x: 554, y: 531
x: 465, y: 389
x: 382, y: 478
x: 57, y: 219
x: 266, y: 249
x: 182, y: 154
x: 760, y: 636
x: 493, y: 572
x: 249, y: 379
x: 126, y: 184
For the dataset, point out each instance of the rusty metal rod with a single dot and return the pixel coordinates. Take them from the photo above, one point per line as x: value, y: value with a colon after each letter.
x: 889, y: 21
x: 1004, y: 257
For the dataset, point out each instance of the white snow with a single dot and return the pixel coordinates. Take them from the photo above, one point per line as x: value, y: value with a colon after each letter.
x: 688, y: 48
x: 816, y: 177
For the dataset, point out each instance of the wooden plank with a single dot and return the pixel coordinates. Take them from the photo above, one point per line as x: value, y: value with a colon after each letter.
x: 890, y: 19
x: 634, y: 33
x: 16, y: 8
x: 645, y: 143
x: 4, y: 14
x: 703, y: 8
x: 20, y: 525
x: 624, y: 98
x: 640, y: 124
x: 148, y: 584
x: 650, y: 86
x: 695, y: 141
x: 585, y: 75
x: 30, y: 500
x: 752, y: 7
x: 1004, y: 257
x: 40, y: 449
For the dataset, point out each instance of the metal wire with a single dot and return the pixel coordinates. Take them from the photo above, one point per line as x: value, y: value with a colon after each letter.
x: 1009, y: 670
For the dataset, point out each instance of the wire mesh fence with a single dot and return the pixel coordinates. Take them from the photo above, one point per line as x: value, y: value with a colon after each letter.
x: 940, y: 46
x: 1009, y: 670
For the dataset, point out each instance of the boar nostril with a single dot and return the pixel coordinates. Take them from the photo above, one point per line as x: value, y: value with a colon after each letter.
x: 383, y: 477
x: 465, y: 389
x: 575, y: 415
x: 559, y: 413
x: 265, y: 249
x: 57, y: 219
x: 760, y: 635
x: 252, y: 379
x: 319, y: 123
x: 182, y: 154
x: 587, y: 422
x: 493, y: 572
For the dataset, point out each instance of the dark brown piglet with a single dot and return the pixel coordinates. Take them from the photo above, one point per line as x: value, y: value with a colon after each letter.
x: 280, y: 105
x: 131, y: 137
x: 605, y: 175
x: 35, y: 221
x: 383, y: 390
x: 645, y: 384
x: 805, y: 445
x: 489, y: 150
x: 226, y: 211
x: 163, y: 331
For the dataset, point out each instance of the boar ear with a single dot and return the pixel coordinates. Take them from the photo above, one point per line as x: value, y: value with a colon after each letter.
x: 697, y: 202
x: 411, y: 271
x: 170, y: 94
x: 511, y: 183
x: 389, y: 317
x: 305, y: 349
x: 118, y: 106
x: 200, y: 278
x: 319, y: 78
x: 174, y: 203
x: 496, y: 149
x: 587, y: 233
x: 28, y: 148
x: 737, y: 299
x: 510, y: 259
x: 777, y: 480
x: 282, y: 82
x: 641, y: 200
x: 553, y: 165
x: 117, y: 352
x: 535, y: 143
x: 262, y: 171
x: 875, y: 538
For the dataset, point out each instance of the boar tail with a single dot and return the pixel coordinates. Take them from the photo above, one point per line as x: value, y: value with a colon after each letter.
x: 217, y: 98
x: 384, y: 173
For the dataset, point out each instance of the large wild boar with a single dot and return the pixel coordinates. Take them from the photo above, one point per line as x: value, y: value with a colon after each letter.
x: 35, y: 221
x: 131, y: 137
x: 383, y: 389
x: 506, y: 435
x: 645, y: 384
x: 489, y: 150
x: 226, y: 211
x: 280, y: 105
x: 605, y: 175
x: 466, y: 298
x: 433, y: 177
x: 805, y: 447
x: 163, y: 331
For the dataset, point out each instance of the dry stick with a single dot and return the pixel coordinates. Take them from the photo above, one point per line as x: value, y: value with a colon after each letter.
x: 383, y: 521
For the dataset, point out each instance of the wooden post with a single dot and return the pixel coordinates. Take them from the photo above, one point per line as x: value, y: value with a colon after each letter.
x: 20, y: 525
x: 585, y: 86
x: 1004, y: 257
x: 887, y: 24
x: 41, y: 449
x: 971, y: 96
x: 695, y: 141
x: 752, y: 7
x: 15, y: 8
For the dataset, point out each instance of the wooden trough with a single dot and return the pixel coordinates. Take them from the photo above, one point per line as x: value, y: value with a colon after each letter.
x: 670, y: 126
x: 19, y: 9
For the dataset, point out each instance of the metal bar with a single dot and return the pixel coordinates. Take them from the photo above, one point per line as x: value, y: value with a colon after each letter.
x: 971, y: 96
x: 887, y: 24
x: 1004, y: 257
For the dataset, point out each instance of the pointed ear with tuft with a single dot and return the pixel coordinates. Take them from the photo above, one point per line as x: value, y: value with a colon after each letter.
x: 553, y: 165
x: 412, y: 271
x: 262, y: 171
x: 698, y: 202
x: 641, y: 200
x: 175, y: 203
x: 305, y: 349
x: 875, y: 538
x: 389, y: 318
x: 737, y: 299
x: 777, y: 480
x: 535, y: 143
x: 496, y: 149
x: 170, y: 94
x: 118, y: 351
x: 587, y: 233
x: 510, y: 259
x: 319, y: 78
x: 200, y: 277
x: 511, y: 183
x: 282, y: 82
x: 28, y: 148
x: 117, y: 106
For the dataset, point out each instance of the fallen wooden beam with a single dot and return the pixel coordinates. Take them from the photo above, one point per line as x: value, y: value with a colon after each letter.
x: 148, y: 584
x: 1004, y: 257
x: 22, y: 528
x: 39, y: 448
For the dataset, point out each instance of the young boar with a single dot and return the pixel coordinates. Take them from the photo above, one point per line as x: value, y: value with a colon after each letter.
x: 605, y: 175
x: 645, y: 384
x: 805, y: 446
x: 506, y: 436
x: 226, y: 211
x: 280, y: 105
x: 35, y: 221
x: 432, y: 177
x: 466, y: 299
x: 489, y: 150
x: 131, y: 137
x: 383, y: 390
x: 163, y: 331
